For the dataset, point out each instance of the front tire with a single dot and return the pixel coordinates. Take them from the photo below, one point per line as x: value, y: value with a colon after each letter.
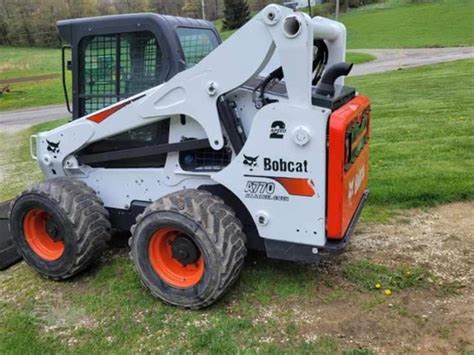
x: 188, y: 248
x: 60, y: 227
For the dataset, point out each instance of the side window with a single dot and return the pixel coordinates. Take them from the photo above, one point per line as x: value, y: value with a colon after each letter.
x: 196, y: 43
x: 114, y: 67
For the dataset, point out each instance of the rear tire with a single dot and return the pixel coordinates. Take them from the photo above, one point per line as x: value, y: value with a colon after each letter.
x: 60, y: 227
x: 188, y: 248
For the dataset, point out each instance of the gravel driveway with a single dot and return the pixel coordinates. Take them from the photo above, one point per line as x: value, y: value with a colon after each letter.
x: 393, y: 59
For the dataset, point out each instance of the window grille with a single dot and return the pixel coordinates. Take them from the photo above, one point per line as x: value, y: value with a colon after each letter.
x: 114, y: 67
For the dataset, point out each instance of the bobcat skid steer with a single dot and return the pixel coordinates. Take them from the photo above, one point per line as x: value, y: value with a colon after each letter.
x: 201, y: 150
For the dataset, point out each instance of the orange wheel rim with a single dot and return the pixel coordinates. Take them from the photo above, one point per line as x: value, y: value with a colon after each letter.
x: 167, y: 266
x: 37, y: 237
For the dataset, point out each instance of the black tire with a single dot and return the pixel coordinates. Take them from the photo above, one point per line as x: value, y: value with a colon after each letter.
x: 79, y: 221
x: 216, y: 232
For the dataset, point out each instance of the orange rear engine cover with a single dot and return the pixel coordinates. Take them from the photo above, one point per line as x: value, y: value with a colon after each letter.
x: 348, y: 163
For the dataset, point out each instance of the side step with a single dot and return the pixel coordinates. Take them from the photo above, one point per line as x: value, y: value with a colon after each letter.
x: 8, y: 253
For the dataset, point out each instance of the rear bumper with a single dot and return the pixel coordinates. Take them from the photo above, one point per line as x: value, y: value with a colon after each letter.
x: 338, y: 245
x: 311, y: 254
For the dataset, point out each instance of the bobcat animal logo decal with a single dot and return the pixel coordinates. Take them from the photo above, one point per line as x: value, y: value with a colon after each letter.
x: 53, y: 147
x: 251, y: 162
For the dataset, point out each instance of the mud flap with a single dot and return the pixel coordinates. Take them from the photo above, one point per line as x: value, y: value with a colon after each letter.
x: 8, y: 252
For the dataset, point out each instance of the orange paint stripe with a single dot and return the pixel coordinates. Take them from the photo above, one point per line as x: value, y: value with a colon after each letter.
x: 100, y: 116
x: 297, y: 186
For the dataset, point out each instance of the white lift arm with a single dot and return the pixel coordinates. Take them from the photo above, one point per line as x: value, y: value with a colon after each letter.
x: 194, y: 92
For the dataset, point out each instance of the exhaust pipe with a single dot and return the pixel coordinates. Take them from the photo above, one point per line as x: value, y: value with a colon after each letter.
x: 326, y: 85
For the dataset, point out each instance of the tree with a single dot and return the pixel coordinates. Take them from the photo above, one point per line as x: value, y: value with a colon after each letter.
x: 82, y: 8
x: 131, y: 6
x: 192, y: 8
x: 236, y: 13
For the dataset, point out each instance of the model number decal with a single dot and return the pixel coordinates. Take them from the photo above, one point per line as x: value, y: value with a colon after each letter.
x: 260, y: 187
x: 262, y: 190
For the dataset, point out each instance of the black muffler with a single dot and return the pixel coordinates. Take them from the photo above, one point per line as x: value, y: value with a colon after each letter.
x: 326, y: 84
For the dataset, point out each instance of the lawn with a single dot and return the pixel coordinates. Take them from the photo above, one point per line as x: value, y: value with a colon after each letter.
x: 443, y: 23
x: 18, y: 62
x: 423, y: 135
x: 422, y: 143
x: 17, y: 168
x: 28, y: 62
x: 400, y: 24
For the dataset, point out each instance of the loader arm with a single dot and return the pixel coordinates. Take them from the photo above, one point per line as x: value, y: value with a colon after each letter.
x: 194, y: 92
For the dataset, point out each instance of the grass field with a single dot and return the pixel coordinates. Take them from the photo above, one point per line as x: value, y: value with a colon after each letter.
x: 422, y: 144
x: 421, y: 152
x: 27, y: 62
x: 443, y: 23
x: 399, y: 24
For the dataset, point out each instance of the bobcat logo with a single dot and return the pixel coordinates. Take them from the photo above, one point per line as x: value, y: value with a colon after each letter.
x: 250, y: 161
x: 53, y: 147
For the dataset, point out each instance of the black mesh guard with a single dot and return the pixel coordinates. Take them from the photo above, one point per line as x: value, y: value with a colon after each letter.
x: 114, y: 67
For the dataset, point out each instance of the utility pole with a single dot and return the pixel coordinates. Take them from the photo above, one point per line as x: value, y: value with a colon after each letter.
x: 309, y: 8
x: 337, y: 9
x: 203, y: 8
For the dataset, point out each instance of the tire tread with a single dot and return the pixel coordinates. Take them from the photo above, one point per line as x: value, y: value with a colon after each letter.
x: 218, y: 220
x: 87, y: 214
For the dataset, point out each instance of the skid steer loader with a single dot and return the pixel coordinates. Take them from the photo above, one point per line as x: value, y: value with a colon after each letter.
x: 201, y: 150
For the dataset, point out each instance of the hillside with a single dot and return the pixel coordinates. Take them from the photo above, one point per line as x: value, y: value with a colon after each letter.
x: 396, y: 24
x: 446, y: 23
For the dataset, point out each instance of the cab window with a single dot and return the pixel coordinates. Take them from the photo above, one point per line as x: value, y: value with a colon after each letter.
x: 196, y: 43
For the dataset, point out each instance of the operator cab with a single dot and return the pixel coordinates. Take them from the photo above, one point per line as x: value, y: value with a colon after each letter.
x: 115, y: 57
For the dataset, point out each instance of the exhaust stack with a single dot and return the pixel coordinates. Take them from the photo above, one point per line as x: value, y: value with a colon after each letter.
x: 326, y: 85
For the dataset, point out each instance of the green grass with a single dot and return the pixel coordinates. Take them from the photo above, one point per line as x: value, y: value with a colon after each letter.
x: 422, y: 136
x: 32, y: 94
x: 25, y: 62
x: 17, y: 169
x: 367, y: 275
x: 107, y: 310
x: 359, y: 58
x: 442, y: 23
x: 18, y: 62
x: 402, y: 24
x: 422, y: 144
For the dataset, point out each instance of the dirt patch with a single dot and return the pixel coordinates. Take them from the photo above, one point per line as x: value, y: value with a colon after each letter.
x: 436, y: 319
x: 441, y: 239
x: 9, y: 65
x: 28, y: 78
